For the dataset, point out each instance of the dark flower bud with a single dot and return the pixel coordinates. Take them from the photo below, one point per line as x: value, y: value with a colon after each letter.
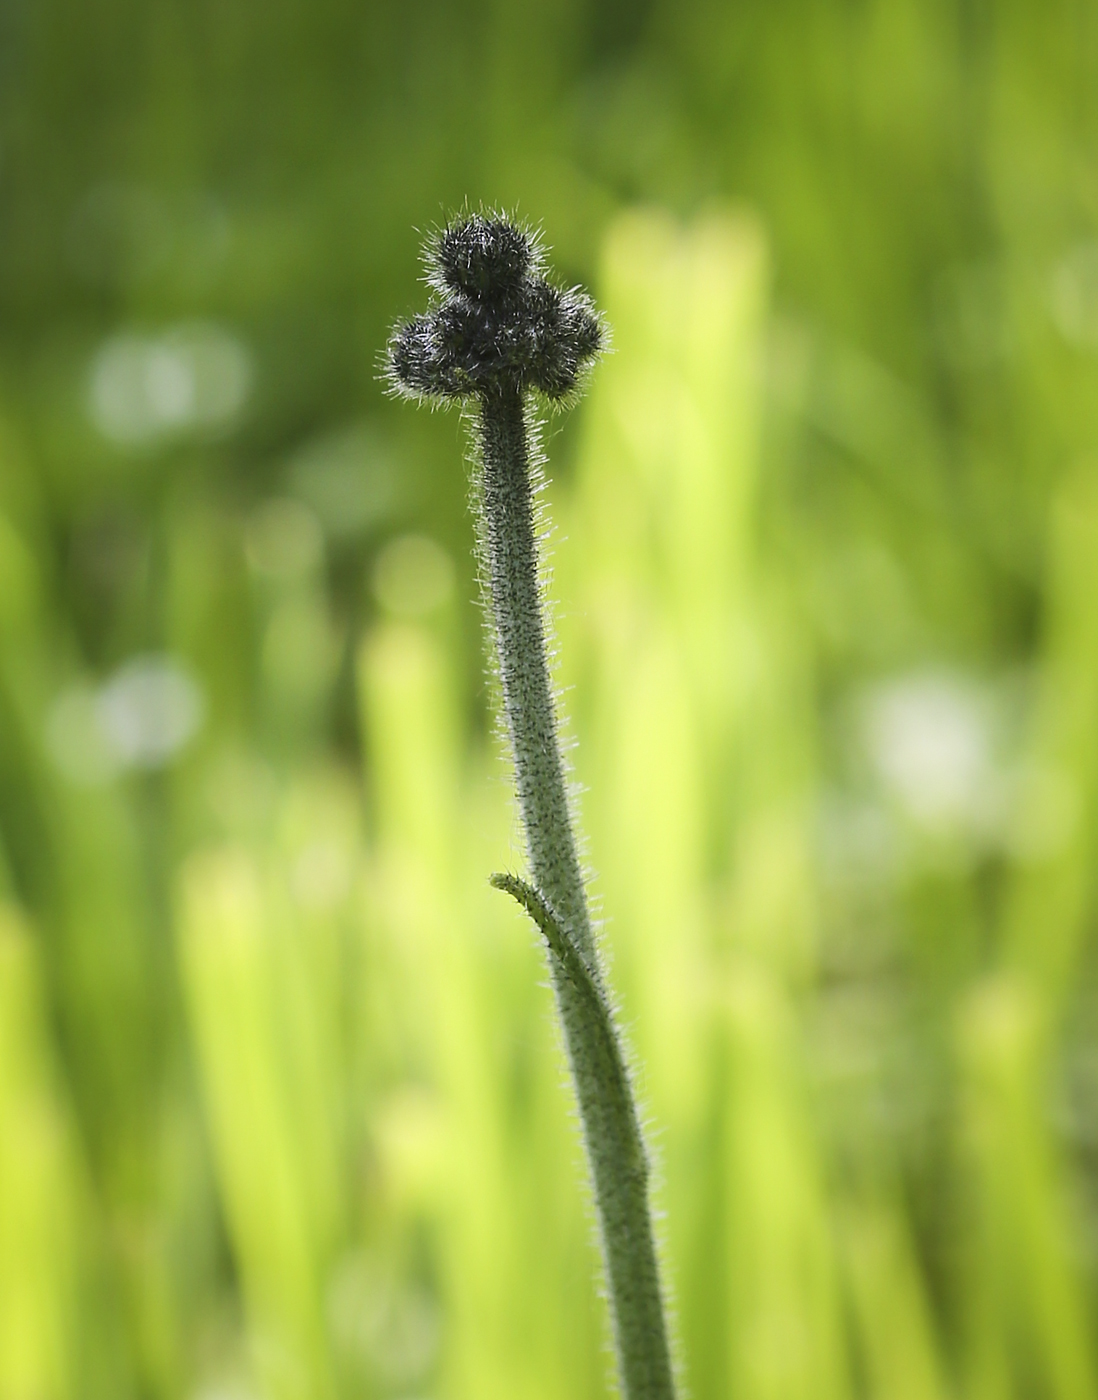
x: 497, y: 324
x: 483, y: 258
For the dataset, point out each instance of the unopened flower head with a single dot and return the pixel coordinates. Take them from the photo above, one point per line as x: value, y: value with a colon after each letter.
x: 497, y: 324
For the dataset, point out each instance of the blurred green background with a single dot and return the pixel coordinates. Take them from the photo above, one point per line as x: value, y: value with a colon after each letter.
x: 282, y: 1108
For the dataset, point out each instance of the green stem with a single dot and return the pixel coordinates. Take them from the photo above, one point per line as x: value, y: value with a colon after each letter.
x: 558, y: 904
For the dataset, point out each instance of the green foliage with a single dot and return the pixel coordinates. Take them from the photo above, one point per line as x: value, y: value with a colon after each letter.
x: 281, y: 1107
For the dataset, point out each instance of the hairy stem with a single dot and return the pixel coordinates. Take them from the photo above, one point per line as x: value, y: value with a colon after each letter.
x: 558, y: 904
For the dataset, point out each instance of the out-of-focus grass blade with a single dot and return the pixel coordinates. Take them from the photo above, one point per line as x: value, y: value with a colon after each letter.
x: 695, y: 755
x: 240, y: 998
x: 40, y: 1203
x: 478, y: 1045
x: 1026, y: 1306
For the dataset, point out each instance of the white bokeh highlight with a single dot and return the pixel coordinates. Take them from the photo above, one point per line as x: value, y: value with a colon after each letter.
x: 144, y: 389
